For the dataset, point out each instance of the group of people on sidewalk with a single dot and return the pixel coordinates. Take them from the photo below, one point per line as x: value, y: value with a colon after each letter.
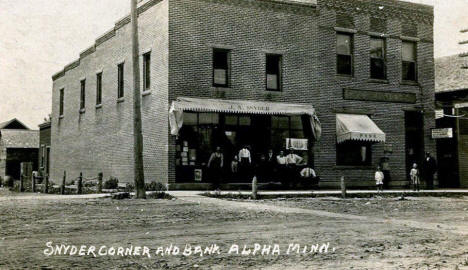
x: 288, y: 169
x: 428, y: 171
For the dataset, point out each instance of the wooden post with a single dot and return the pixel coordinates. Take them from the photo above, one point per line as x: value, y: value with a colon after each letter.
x: 99, y: 189
x: 21, y: 187
x: 26, y: 174
x: 254, y: 188
x: 139, y: 174
x: 62, y: 187
x: 46, y: 183
x: 343, y: 187
x: 33, y: 182
x: 80, y: 184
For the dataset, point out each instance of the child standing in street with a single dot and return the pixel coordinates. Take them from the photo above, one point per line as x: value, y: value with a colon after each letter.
x: 379, y: 177
x: 414, y: 175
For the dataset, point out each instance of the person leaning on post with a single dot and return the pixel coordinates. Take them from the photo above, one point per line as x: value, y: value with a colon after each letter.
x: 292, y: 160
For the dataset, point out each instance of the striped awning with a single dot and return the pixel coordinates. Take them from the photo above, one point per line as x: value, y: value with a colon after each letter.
x: 357, y: 127
x: 238, y: 106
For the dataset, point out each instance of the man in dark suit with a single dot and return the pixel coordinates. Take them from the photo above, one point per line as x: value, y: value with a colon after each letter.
x: 429, y: 169
x: 271, y: 164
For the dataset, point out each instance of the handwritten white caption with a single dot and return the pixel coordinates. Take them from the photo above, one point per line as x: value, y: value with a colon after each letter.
x: 187, y: 250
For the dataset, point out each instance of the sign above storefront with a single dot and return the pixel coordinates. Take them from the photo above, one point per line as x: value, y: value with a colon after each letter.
x: 439, y: 114
x: 381, y: 96
x: 442, y: 133
x: 296, y: 144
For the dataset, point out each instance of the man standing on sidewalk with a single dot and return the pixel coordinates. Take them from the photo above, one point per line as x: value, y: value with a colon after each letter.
x: 429, y: 169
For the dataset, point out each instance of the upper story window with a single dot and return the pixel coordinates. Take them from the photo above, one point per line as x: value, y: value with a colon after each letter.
x: 83, y: 94
x: 61, y: 101
x: 344, y: 53
x: 273, y: 72
x: 146, y: 71
x: 120, y: 80
x: 99, y: 88
x: 221, y: 66
x: 408, y: 57
x: 377, y: 58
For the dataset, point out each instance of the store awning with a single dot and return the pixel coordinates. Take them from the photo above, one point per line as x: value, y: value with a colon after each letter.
x: 357, y: 127
x: 238, y: 106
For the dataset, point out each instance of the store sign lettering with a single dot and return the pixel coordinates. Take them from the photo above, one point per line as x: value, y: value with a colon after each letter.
x: 442, y: 133
x: 239, y: 107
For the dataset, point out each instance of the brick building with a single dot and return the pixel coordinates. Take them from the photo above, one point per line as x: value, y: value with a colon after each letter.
x: 365, y: 68
x: 452, y: 102
x: 44, y: 147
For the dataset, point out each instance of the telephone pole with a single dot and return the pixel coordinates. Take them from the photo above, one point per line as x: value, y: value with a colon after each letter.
x: 139, y: 174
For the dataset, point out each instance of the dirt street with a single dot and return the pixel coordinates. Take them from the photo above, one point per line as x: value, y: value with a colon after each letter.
x: 28, y: 223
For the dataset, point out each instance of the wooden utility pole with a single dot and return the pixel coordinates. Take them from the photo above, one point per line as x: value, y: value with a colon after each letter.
x: 139, y: 174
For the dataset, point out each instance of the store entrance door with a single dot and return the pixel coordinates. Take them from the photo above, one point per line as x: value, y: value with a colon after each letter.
x: 414, y: 133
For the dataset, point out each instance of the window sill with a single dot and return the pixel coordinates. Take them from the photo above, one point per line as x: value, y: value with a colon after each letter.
x: 345, y: 30
x: 273, y: 91
x: 413, y: 83
x: 354, y: 167
x: 344, y: 76
x: 60, y: 116
x: 82, y: 110
x: 98, y: 106
x: 146, y: 93
x: 120, y: 100
x: 378, y: 81
x: 220, y: 87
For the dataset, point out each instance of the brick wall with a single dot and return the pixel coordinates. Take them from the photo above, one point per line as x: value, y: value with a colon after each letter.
x: 101, y: 139
x: 305, y: 36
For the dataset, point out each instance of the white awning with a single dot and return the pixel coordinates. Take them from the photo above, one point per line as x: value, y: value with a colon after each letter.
x: 357, y: 127
x: 238, y: 106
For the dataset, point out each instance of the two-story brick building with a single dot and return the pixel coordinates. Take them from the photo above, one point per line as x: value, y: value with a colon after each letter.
x: 253, y: 73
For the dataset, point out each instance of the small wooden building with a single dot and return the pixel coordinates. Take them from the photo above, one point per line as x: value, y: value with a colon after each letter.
x: 18, y: 144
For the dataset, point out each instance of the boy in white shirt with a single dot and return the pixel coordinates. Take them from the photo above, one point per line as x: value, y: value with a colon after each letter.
x: 414, y: 175
x: 379, y: 177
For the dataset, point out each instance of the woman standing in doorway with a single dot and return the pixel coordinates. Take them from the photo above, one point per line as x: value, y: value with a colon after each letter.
x: 215, y: 165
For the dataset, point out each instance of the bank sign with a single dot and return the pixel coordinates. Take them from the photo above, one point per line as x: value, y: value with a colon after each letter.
x: 442, y: 133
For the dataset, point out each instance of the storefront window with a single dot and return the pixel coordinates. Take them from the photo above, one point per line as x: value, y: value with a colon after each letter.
x: 354, y: 153
x: 244, y: 120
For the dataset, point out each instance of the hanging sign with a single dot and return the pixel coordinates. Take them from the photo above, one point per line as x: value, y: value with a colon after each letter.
x: 296, y: 144
x: 442, y: 133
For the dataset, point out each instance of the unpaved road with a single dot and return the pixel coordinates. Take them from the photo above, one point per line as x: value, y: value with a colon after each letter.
x: 26, y: 224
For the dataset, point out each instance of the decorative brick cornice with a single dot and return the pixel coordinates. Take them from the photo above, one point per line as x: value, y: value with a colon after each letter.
x: 57, y: 75
x: 108, y: 35
x: 87, y: 52
x: 383, y: 8
x: 72, y: 65
x: 293, y: 6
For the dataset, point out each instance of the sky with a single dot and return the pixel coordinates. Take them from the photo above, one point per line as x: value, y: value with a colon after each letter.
x: 40, y: 37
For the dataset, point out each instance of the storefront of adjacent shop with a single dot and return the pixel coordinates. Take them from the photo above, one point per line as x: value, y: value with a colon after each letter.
x: 201, y: 125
